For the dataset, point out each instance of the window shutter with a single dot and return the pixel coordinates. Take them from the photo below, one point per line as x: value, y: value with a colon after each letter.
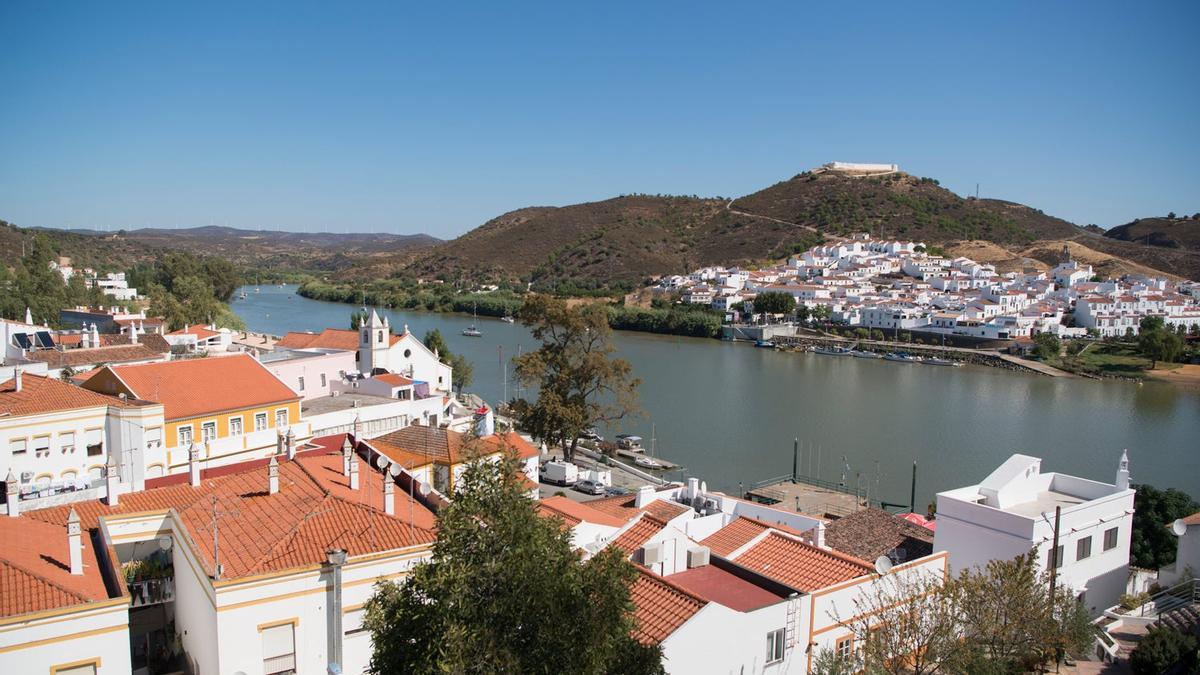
x: 95, y: 436
x: 278, y: 641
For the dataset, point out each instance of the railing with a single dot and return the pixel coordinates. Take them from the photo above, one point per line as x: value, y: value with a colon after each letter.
x: 151, y: 592
x: 1180, y: 595
x: 280, y: 665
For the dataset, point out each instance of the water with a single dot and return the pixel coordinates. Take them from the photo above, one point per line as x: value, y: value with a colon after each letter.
x: 729, y: 412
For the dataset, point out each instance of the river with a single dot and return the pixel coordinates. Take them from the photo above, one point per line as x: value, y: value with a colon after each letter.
x: 729, y: 412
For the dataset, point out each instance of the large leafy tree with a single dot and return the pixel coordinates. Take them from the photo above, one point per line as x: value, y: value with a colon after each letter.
x: 774, y: 302
x: 1152, y: 544
x: 506, y: 592
x: 579, y: 381
x: 1158, y: 343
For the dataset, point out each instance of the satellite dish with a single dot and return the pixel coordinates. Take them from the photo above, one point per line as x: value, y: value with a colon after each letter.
x: 164, y: 542
x: 883, y: 565
x: 423, y: 489
x: 381, y: 462
x: 395, y: 470
x: 1179, y: 527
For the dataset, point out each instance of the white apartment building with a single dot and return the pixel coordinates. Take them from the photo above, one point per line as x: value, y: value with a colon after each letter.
x: 1013, y: 512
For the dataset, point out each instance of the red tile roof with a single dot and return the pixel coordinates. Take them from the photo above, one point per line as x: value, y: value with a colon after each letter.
x: 193, y: 387
x: 573, y: 512
x: 40, y: 394
x: 314, y: 510
x: 738, y: 533
x: 1193, y: 519
x: 394, y: 379
x: 622, y: 506
x: 870, y: 533
x: 448, y: 447
x: 145, y: 350
x: 201, y: 332
x: 638, y: 534
x: 799, y: 565
x: 35, y: 572
x: 724, y: 587
x: 660, y: 607
x: 330, y: 338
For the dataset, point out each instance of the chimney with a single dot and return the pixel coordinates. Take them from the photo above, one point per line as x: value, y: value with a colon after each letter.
x: 1123, y: 471
x: 278, y: 442
x: 95, y: 336
x: 645, y: 495
x: 353, y: 474
x: 18, y: 376
x: 289, y: 442
x: 111, y: 480
x: 12, y: 494
x: 347, y: 454
x: 194, y: 465
x: 75, y: 543
x: 693, y: 488
x: 357, y: 428
x: 133, y: 335
x: 273, y: 476
x: 389, y: 497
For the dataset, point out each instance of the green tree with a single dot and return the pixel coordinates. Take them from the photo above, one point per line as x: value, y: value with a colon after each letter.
x: 1161, y: 650
x: 1048, y: 346
x: 1157, y: 343
x: 774, y: 302
x: 580, y: 383
x: 505, y: 591
x: 803, y: 313
x: 1151, y: 544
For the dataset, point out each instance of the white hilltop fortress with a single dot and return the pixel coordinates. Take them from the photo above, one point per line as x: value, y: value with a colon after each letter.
x: 852, y: 168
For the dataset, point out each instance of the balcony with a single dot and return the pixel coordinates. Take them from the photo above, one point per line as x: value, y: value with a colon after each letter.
x: 151, y: 581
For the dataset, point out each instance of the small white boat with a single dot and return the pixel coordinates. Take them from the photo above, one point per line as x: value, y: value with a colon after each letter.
x: 942, y: 362
x: 648, y: 463
x: 863, y: 354
x: 831, y: 351
x: 508, y: 318
x: 473, y: 330
x: 902, y: 357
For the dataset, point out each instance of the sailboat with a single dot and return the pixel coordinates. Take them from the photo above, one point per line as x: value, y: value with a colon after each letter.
x: 648, y: 461
x: 473, y: 330
x: 508, y: 317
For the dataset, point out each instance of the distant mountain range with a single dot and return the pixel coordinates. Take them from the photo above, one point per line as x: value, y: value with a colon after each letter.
x: 621, y: 242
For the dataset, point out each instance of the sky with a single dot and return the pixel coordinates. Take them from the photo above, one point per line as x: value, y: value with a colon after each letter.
x: 435, y: 117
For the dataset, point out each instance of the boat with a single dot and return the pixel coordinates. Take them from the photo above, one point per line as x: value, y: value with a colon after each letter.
x: 864, y: 354
x: 473, y: 330
x: 630, y: 442
x: 902, y: 357
x: 942, y: 362
x: 243, y: 295
x: 766, y: 344
x: 831, y: 351
x: 648, y: 463
x: 508, y: 318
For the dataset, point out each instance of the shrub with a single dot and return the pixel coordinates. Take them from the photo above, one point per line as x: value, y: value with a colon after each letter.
x: 1161, y: 650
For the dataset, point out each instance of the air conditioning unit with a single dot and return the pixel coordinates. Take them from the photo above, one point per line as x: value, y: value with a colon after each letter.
x: 698, y: 557
x: 652, y: 554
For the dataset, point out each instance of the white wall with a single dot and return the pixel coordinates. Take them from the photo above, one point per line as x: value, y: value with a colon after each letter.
x: 37, y: 645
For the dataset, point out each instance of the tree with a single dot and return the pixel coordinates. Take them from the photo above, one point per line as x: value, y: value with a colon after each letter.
x: 1152, y: 545
x: 827, y: 662
x: 506, y: 592
x: 906, y: 624
x: 1156, y: 342
x: 580, y: 383
x: 774, y: 302
x: 1048, y: 346
x: 1162, y: 649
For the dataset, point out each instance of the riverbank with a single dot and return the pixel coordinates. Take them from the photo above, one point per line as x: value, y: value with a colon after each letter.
x: 989, y: 358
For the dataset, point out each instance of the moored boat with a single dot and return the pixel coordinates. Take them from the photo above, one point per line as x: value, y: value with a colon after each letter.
x: 766, y: 344
x: 864, y: 354
x: 942, y: 362
x: 902, y: 357
x: 831, y: 351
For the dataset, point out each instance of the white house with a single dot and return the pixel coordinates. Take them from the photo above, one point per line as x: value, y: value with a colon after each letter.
x: 1187, y: 552
x: 1013, y: 511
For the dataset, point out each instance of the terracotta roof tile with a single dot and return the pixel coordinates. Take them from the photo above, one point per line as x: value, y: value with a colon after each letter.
x: 660, y: 607
x: 192, y: 387
x: 115, y: 353
x: 573, y: 512
x: 394, y: 379
x: 622, y: 506
x: 870, y: 533
x: 201, y: 332
x: 738, y: 533
x: 330, y: 338
x: 799, y: 565
x: 35, y: 572
x: 40, y: 394
x: 445, y: 446
x: 724, y: 587
x: 638, y: 534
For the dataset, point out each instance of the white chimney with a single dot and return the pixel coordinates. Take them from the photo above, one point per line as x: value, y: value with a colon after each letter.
x: 18, y: 376
x: 111, y: 481
x: 273, y: 476
x: 133, y: 335
x: 12, y: 494
x: 1123, y: 471
x: 194, y: 465
x: 289, y: 442
x: 74, y: 543
x: 693, y: 488
x: 95, y: 336
x: 645, y: 495
x: 357, y: 428
x: 347, y: 454
x: 353, y: 474
x: 389, y: 497
x: 278, y: 442
x: 28, y: 316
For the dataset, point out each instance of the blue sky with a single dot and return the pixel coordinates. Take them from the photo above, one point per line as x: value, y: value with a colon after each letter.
x: 434, y: 118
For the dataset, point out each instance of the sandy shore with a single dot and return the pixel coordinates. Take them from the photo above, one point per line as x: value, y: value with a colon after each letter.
x: 1186, y: 376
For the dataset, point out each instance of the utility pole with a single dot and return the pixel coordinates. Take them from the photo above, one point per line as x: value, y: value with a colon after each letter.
x: 1054, y: 557
x: 795, y: 458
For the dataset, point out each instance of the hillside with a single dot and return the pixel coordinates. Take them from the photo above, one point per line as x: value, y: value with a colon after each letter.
x: 618, y: 243
x: 1179, y: 233
x: 268, y: 249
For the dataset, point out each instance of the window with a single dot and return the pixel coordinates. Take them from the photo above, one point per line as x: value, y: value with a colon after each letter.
x: 18, y: 446
x: 208, y: 432
x: 1056, y: 557
x: 41, y: 446
x: 154, y: 437
x: 775, y: 645
x: 1083, y: 548
x: 87, y: 668
x: 235, y: 426
x: 1110, y: 539
x: 281, y: 418
x: 380, y: 339
x: 279, y: 649
x: 352, y: 622
x: 260, y: 421
x: 403, y: 394
x: 95, y: 442
x: 185, y: 436
x: 324, y: 381
x: 66, y: 441
x: 301, y: 388
x: 844, y: 647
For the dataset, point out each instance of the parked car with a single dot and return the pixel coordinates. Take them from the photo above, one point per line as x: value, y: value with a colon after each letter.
x: 589, y: 487
x: 617, y: 491
x: 591, y: 435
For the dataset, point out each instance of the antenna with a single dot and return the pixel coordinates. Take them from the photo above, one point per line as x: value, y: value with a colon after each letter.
x: 215, y: 524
